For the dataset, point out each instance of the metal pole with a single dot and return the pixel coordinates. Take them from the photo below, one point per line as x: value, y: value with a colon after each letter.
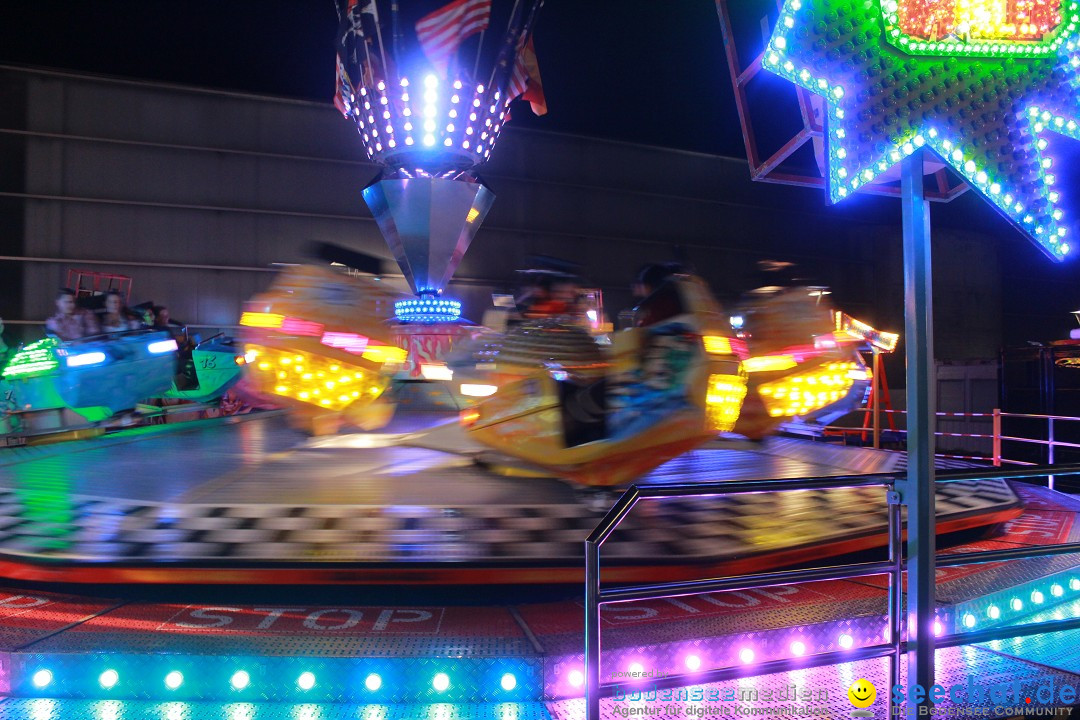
x: 896, y: 594
x: 1050, y: 438
x: 996, y: 432
x: 592, y: 630
x: 875, y: 392
x: 917, y: 491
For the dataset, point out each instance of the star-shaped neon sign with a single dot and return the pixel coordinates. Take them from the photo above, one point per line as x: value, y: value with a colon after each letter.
x: 983, y: 104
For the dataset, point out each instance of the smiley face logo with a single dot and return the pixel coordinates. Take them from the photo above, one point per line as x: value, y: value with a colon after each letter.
x: 862, y: 693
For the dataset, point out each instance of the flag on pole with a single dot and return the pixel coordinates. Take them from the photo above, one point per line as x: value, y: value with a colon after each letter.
x: 442, y: 31
x: 343, y: 81
x: 525, y: 79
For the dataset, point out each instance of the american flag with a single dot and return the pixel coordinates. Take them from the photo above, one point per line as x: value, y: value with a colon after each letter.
x: 441, y: 32
x: 525, y: 79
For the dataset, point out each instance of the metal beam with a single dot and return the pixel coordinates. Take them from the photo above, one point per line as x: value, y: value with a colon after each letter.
x: 917, y: 490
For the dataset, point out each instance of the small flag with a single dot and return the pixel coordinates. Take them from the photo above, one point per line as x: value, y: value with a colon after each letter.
x: 341, y: 81
x: 442, y: 31
x: 525, y: 80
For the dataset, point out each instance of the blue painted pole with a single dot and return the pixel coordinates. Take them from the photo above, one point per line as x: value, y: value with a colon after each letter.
x: 917, y: 491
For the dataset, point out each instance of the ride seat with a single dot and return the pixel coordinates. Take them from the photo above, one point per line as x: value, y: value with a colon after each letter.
x: 584, y: 411
x: 663, y: 304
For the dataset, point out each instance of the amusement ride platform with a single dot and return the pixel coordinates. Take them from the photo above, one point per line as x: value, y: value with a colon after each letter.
x: 519, y: 659
x: 249, y: 500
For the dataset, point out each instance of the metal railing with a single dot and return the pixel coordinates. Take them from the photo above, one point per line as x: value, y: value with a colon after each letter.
x: 894, y: 567
x: 996, y: 435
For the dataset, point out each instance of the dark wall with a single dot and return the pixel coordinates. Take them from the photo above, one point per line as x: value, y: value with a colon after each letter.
x: 223, y: 184
x: 12, y: 180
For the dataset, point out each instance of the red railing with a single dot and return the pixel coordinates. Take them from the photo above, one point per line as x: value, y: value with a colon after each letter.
x: 996, y: 435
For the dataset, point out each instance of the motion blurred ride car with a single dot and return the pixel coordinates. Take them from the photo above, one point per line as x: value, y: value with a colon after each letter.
x: 322, y: 345
x: 804, y: 361
x: 602, y: 415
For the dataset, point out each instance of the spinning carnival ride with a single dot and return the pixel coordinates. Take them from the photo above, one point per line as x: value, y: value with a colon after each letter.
x: 429, y: 129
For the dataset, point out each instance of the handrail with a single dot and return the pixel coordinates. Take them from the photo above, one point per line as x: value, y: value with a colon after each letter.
x: 996, y: 436
x: 894, y: 568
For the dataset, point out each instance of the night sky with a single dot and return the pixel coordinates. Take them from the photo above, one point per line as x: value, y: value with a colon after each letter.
x: 642, y: 71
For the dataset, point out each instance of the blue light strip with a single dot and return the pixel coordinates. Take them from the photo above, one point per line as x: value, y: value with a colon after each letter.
x: 181, y: 677
x: 427, y: 310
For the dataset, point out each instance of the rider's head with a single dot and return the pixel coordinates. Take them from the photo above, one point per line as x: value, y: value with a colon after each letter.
x: 113, y: 302
x: 65, y: 301
x: 650, y: 277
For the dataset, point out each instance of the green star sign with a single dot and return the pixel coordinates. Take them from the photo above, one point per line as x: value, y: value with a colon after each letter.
x: 984, y: 105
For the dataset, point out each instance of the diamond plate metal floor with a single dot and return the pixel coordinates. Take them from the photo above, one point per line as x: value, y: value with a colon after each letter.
x: 254, y: 495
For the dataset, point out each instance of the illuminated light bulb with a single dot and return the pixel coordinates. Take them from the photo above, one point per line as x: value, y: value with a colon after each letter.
x: 174, y: 679
x: 846, y: 641
x: 1056, y: 590
x: 306, y: 681
x: 576, y: 678
x: 429, y: 140
x: 240, y: 679
x: 746, y: 655
x: 993, y: 612
x: 692, y: 662
x: 508, y: 682
x: 448, y: 142
x: 373, y: 682
x: 108, y: 679
x: 42, y: 678
x: 1037, y: 597
x: 798, y: 648
x: 430, y: 81
x: 938, y: 628
x: 408, y: 141
x: 440, y: 682
x: 969, y: 620
x: 1016, y: 604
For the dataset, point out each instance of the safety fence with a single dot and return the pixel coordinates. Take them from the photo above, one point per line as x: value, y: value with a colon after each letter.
x: 1051, y: 425
x: 894, y: 567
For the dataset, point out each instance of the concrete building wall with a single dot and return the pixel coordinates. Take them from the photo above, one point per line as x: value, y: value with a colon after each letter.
x: 196, y: 193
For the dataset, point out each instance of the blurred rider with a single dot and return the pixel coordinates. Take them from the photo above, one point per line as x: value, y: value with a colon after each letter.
x: 117, y: 317
x: 71, y: 322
